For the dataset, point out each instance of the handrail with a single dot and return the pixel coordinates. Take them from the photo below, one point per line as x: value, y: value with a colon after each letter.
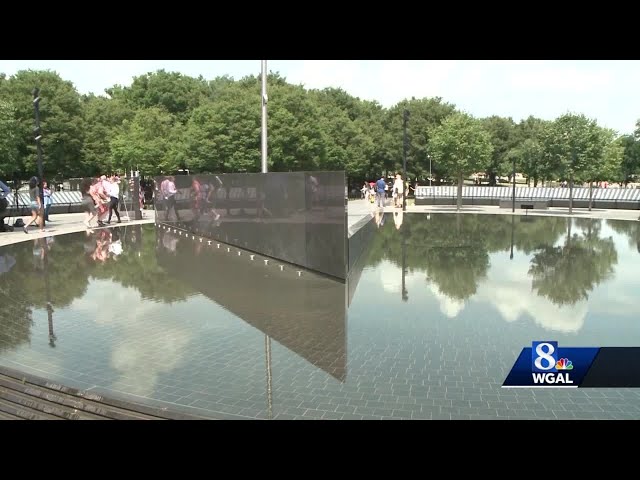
x: 549, y: 193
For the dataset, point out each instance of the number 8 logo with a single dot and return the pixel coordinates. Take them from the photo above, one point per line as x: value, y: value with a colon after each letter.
x: 545, y: 354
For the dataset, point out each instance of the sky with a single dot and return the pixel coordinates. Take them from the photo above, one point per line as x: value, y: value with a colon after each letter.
x: 606, y: 90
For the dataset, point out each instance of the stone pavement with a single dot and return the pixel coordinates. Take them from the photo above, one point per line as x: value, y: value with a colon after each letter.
x: 357, y: 210
x: 360, y: 208
x: 62, y: 223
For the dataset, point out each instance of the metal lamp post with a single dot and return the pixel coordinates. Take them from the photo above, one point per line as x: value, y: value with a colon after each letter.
x: 513, y: 203
x: 405, y: 147
x: 38, y: 137
x: 264, y: 116
x: 267, y: 338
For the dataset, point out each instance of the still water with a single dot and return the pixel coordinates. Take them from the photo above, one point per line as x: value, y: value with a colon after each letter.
x: 428, y: 325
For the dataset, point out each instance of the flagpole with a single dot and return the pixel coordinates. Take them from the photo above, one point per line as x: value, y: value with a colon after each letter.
x: 264, y: 116
x: 267, y: 339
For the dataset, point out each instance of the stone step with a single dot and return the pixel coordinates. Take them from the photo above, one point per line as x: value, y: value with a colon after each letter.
x: 30, y: 397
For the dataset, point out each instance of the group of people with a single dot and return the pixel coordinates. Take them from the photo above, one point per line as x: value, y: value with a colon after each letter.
x: 39, y: 207
x: 103, y: 245
x: 377, y: 192
x: 100, y: 196
x: 202, y: 196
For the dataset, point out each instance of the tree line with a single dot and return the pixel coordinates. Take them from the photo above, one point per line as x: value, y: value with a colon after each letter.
x: 166, y: 121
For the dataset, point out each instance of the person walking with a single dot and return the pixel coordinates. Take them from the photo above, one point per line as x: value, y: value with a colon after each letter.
x: 114, y: 194
x: 380, y: 191
x: 398, y: 191
x: 46, y: 191
x: 169, y: 191
x: 37, y: 210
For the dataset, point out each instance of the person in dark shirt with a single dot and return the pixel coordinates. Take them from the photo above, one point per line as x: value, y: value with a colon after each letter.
x: 4, y: 203
x: 37, y: 210
x: 380, y: 192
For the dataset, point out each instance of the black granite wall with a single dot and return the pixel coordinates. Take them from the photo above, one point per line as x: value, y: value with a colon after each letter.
x: 297, y: 217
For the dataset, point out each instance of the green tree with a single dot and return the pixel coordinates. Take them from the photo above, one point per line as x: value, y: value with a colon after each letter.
x: 425, y: 115
x: 606, y: 159
x: 461, y: 146
x: 572, y: 143
x: 60, y: 121
x: 352, y: 134
x: 104, y: 118
x: 296, y: 125
x: 223, y: 135
x: 178, y: 94
x: 528, y: 150
x: 630, y: 164
x: 9, y: 140
x: 148, y: 142
x: 503, y: 138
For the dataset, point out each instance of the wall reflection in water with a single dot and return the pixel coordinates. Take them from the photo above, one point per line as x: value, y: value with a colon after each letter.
x: 297, y: 217
x: 303, y: 311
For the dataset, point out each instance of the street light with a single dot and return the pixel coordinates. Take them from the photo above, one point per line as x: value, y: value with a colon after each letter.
x: 513, y: 204
x: 264, y: 116
x: 569, y: 137
x: 405, y: 147
x: 430, y: 175
x: 38, y: 136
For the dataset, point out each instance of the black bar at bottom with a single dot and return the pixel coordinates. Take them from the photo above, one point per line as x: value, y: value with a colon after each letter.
x: 614, y: 367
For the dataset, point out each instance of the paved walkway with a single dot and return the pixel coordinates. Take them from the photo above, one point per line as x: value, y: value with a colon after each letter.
x: 63, y: 223
x: 360, y: 208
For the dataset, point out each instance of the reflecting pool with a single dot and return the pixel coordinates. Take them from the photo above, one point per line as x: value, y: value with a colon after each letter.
x: 427, y: 326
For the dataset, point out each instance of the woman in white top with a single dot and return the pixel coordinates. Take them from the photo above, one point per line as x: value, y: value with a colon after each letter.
x: 398, y: 191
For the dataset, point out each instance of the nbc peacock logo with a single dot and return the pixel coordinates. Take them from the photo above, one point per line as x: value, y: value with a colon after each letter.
x: 564, y: 364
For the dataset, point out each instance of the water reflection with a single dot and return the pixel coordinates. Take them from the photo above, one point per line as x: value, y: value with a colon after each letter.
x: 50, y: 273
x: 297, y: 217
x: 630, y: 229
x: 457, y: 256
x: 565, y: 274
x: 302, y: 311
x: 435, y: 296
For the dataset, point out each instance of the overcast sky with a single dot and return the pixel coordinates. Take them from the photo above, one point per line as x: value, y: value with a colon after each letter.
x: 606, y: 90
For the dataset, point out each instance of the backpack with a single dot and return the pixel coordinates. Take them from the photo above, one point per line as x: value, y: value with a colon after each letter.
x: 18, y: 223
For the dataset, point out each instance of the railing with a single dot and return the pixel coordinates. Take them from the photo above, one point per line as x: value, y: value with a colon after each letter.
x: 623, y: 198
x: 61, y: 202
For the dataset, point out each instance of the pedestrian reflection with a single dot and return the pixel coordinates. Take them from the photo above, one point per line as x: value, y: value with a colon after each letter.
x: 104, y: 244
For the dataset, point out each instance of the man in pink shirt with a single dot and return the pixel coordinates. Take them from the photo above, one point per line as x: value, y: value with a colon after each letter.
x: 168, y: 191
x: 102, y: 200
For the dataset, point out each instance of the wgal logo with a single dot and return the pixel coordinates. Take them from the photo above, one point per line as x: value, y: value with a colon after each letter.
x: 546, y: 367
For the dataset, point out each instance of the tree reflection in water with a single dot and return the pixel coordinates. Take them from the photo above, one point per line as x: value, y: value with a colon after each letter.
x: 453, y: 251
x: 49, y: 274
x: 567, y: 274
